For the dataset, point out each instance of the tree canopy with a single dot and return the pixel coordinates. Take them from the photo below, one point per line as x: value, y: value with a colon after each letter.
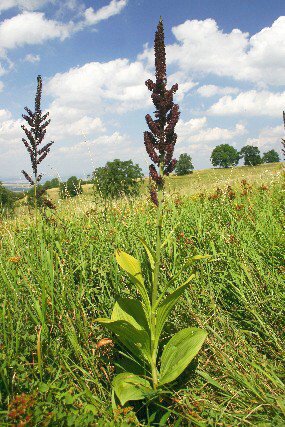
x: 271, y: 156
x: 53, y: 183
x: 184, y: 165
x: 118, y: 178
x: 251, y: 155
x: 224, y: 156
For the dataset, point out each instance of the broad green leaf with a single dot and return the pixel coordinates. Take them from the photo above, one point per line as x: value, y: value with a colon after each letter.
x: 129, y: 386
x: 133, y: 267
x: 166, y: 306
x: 136, y: 340
x: 169, y: 284
x: 127, y: 364
x: 132, y: 311
x: 179, y: 351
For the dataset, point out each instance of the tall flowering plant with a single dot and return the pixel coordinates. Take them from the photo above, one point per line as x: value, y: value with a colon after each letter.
x: 139, y: 323
x: 35, y: 134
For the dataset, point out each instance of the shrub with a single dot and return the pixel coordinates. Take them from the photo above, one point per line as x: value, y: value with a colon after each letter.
x: 118, y: 178
x: 224, y: 156
x: 71, y: 188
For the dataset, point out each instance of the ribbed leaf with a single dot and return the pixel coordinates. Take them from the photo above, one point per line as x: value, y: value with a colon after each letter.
x: 166, y: 306
x: 129, y: 386
x: 135, y: 339
x: 133, y: 267
x: 132, y: 311
x: 179, y: 351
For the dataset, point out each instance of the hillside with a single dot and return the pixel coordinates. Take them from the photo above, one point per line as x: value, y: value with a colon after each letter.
x: 207, y: 180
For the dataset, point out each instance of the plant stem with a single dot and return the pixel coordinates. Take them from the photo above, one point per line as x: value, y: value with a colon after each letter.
x: 158, y: 248
x: 155, y: 284
x: 35, y: 197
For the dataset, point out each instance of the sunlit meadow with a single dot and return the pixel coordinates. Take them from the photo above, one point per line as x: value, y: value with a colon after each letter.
x: 165, y: 308
x: 58, y: 277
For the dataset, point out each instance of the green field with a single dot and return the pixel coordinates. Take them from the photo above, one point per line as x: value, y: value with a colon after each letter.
x: 59, y: 274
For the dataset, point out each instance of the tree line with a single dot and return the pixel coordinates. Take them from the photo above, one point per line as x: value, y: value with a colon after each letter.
x: 226, y: 156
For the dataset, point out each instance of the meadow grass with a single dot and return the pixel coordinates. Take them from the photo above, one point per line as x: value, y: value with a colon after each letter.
x: 59, y: 275
x: 205, y: 180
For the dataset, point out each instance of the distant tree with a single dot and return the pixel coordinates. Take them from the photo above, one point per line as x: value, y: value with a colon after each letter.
x: 7, y: 198
x: 271, y: 157
x: 251, y: 155
x: 53, y: 183
x: 224, y: 156
x: 184, y: 165
x: 72, y: 187
x: 118, y: 178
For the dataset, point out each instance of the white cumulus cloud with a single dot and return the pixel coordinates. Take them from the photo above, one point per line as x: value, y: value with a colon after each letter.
x: 268, y: 138
x: 202, y: 48
x: 117, y: 85
x: 253, y: 103
x: 23, y: 4
x: 5, y: 115
x: 196, y: 130
x: 113, y: 8
x: 31, y: 28
x: 208, y: 91
x: 69, y: 122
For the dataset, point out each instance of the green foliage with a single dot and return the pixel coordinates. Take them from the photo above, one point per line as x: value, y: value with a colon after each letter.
x: 71, y: 188
x: 7, y: 198
x: 179, y: 352
x: 224, y: 156
x: 138, y: 326
x: 53, y: 183
x: 184, y: 165
x: 39, y: 197
x: 118, y: 178
x: 129, y: 386
x: 251, y: 155
x: 270, y: 156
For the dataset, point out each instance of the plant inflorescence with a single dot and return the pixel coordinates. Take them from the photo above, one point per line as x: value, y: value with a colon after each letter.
x: 38, y: 123
x: 161, y: 138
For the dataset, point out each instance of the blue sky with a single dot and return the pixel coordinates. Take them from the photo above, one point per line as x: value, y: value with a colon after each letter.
x: 228, y: 58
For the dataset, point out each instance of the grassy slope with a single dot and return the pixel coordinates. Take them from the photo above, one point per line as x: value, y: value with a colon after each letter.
x: 208, y: 179
x: 65, y: 276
